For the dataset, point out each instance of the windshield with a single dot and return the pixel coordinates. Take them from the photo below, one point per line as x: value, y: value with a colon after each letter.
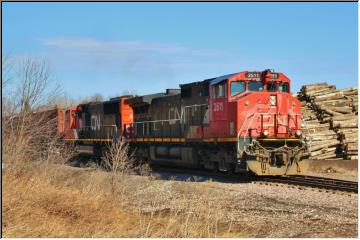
x: 237, y: 87
x: 256, y: 86
x: 272, y: 87
x: 284, y: 87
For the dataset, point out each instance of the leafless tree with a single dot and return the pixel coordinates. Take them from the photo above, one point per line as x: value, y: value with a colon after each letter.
x: 29, y: 133
x: 64, y: 101
x: 128, y: 92
x: 36, y: 84
x: 84, y: 100
x: 6, y: 68
x: 97, y: 97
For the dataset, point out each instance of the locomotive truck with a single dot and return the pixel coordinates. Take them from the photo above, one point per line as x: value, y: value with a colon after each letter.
x: 241, y: 122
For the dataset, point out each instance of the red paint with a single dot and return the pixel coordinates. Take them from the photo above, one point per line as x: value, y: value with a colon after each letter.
x: 249, y: 113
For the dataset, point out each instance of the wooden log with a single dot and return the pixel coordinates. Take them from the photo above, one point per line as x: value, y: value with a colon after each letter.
x: 349, y: 137
x: 326, y: 156
x: 315, y: 153
x: 331, y: 112
x: 308, y: 87
x: 315, y: 129
x: 329, y: 96
x: 316, y: 125
x: 344, y: 117
x: 327, y: 144
x: 321, y: 138
x: 344, y: 124
x: 351, y: 146
x: 346, y: 104
x: 319, y: 92
x: 311, y: 122
x: 323, y: 151
x: 352, y: 152
x: 334, y: 101
x: 319, y: 133
x: 348, y: 130
x: 334, y: 159
x: 344, y: 110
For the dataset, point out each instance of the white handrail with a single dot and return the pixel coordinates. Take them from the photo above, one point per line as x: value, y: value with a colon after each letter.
x: 253, y: 115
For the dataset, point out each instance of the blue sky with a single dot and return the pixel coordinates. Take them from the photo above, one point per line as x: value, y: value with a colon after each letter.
x: 147, y: 47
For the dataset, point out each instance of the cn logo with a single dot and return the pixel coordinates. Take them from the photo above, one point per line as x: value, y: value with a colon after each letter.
x: 218, y: 106
x: 95, y: 122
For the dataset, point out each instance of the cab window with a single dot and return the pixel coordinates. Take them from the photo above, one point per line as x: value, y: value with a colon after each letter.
x: 256, y: 86
x: 237, y: 87
x: 284, y: 87
x: 220, y: 90
x: 272, y: 87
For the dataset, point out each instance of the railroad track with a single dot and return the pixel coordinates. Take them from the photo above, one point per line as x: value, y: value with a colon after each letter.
x: 315, y: 182
x: 327, y: 184
x: 294, y: 180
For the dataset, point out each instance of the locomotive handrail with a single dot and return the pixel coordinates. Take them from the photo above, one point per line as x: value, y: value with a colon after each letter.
x: 164, y: 120
x: 100, y: 131
x: 174, y: 119
x: 253, y: 115
x: 267, y: 113
x: 249, y: 115
x: 100, y: 126
x: 239, y: 132
x: 182, y: 118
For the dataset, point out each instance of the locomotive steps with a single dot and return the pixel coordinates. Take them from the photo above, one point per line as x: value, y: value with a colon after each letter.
x: 329, y: 121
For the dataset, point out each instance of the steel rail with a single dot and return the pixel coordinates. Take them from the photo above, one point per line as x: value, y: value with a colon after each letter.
x: 315, y: 182
x: 297, y: 180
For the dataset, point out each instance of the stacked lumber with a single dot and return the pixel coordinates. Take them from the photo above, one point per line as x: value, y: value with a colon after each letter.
x: 330, y: 121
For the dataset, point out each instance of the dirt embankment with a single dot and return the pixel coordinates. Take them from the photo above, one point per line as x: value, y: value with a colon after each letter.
x: 61, y: 201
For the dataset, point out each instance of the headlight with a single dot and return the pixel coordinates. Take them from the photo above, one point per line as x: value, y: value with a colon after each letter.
x: 265, y: 133
x: 298, y: 133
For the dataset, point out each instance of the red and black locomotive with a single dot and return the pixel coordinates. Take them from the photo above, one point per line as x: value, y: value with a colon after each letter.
x: 246, y: 121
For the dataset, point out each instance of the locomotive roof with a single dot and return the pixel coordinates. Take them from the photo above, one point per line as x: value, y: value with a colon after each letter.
x: 196, y: 83
x: 218, y: 79
x: 146, y: 99
x: 222, y: 78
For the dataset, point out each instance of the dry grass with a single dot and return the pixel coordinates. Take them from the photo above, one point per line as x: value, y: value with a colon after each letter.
x: 57, y: 201
x: 43, y: 198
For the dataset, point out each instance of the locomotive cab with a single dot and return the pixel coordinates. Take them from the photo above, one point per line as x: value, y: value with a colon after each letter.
x: 258, y: 110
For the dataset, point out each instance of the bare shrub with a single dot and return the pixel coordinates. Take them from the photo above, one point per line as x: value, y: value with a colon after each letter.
x: 117, y: 157
x: 118, y: 160
x: 144, y: 169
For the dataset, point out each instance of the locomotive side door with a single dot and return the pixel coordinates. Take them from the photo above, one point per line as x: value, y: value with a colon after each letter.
x: 218, y: 109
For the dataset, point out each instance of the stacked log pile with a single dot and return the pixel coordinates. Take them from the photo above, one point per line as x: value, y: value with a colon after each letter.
x: 330, y: 121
